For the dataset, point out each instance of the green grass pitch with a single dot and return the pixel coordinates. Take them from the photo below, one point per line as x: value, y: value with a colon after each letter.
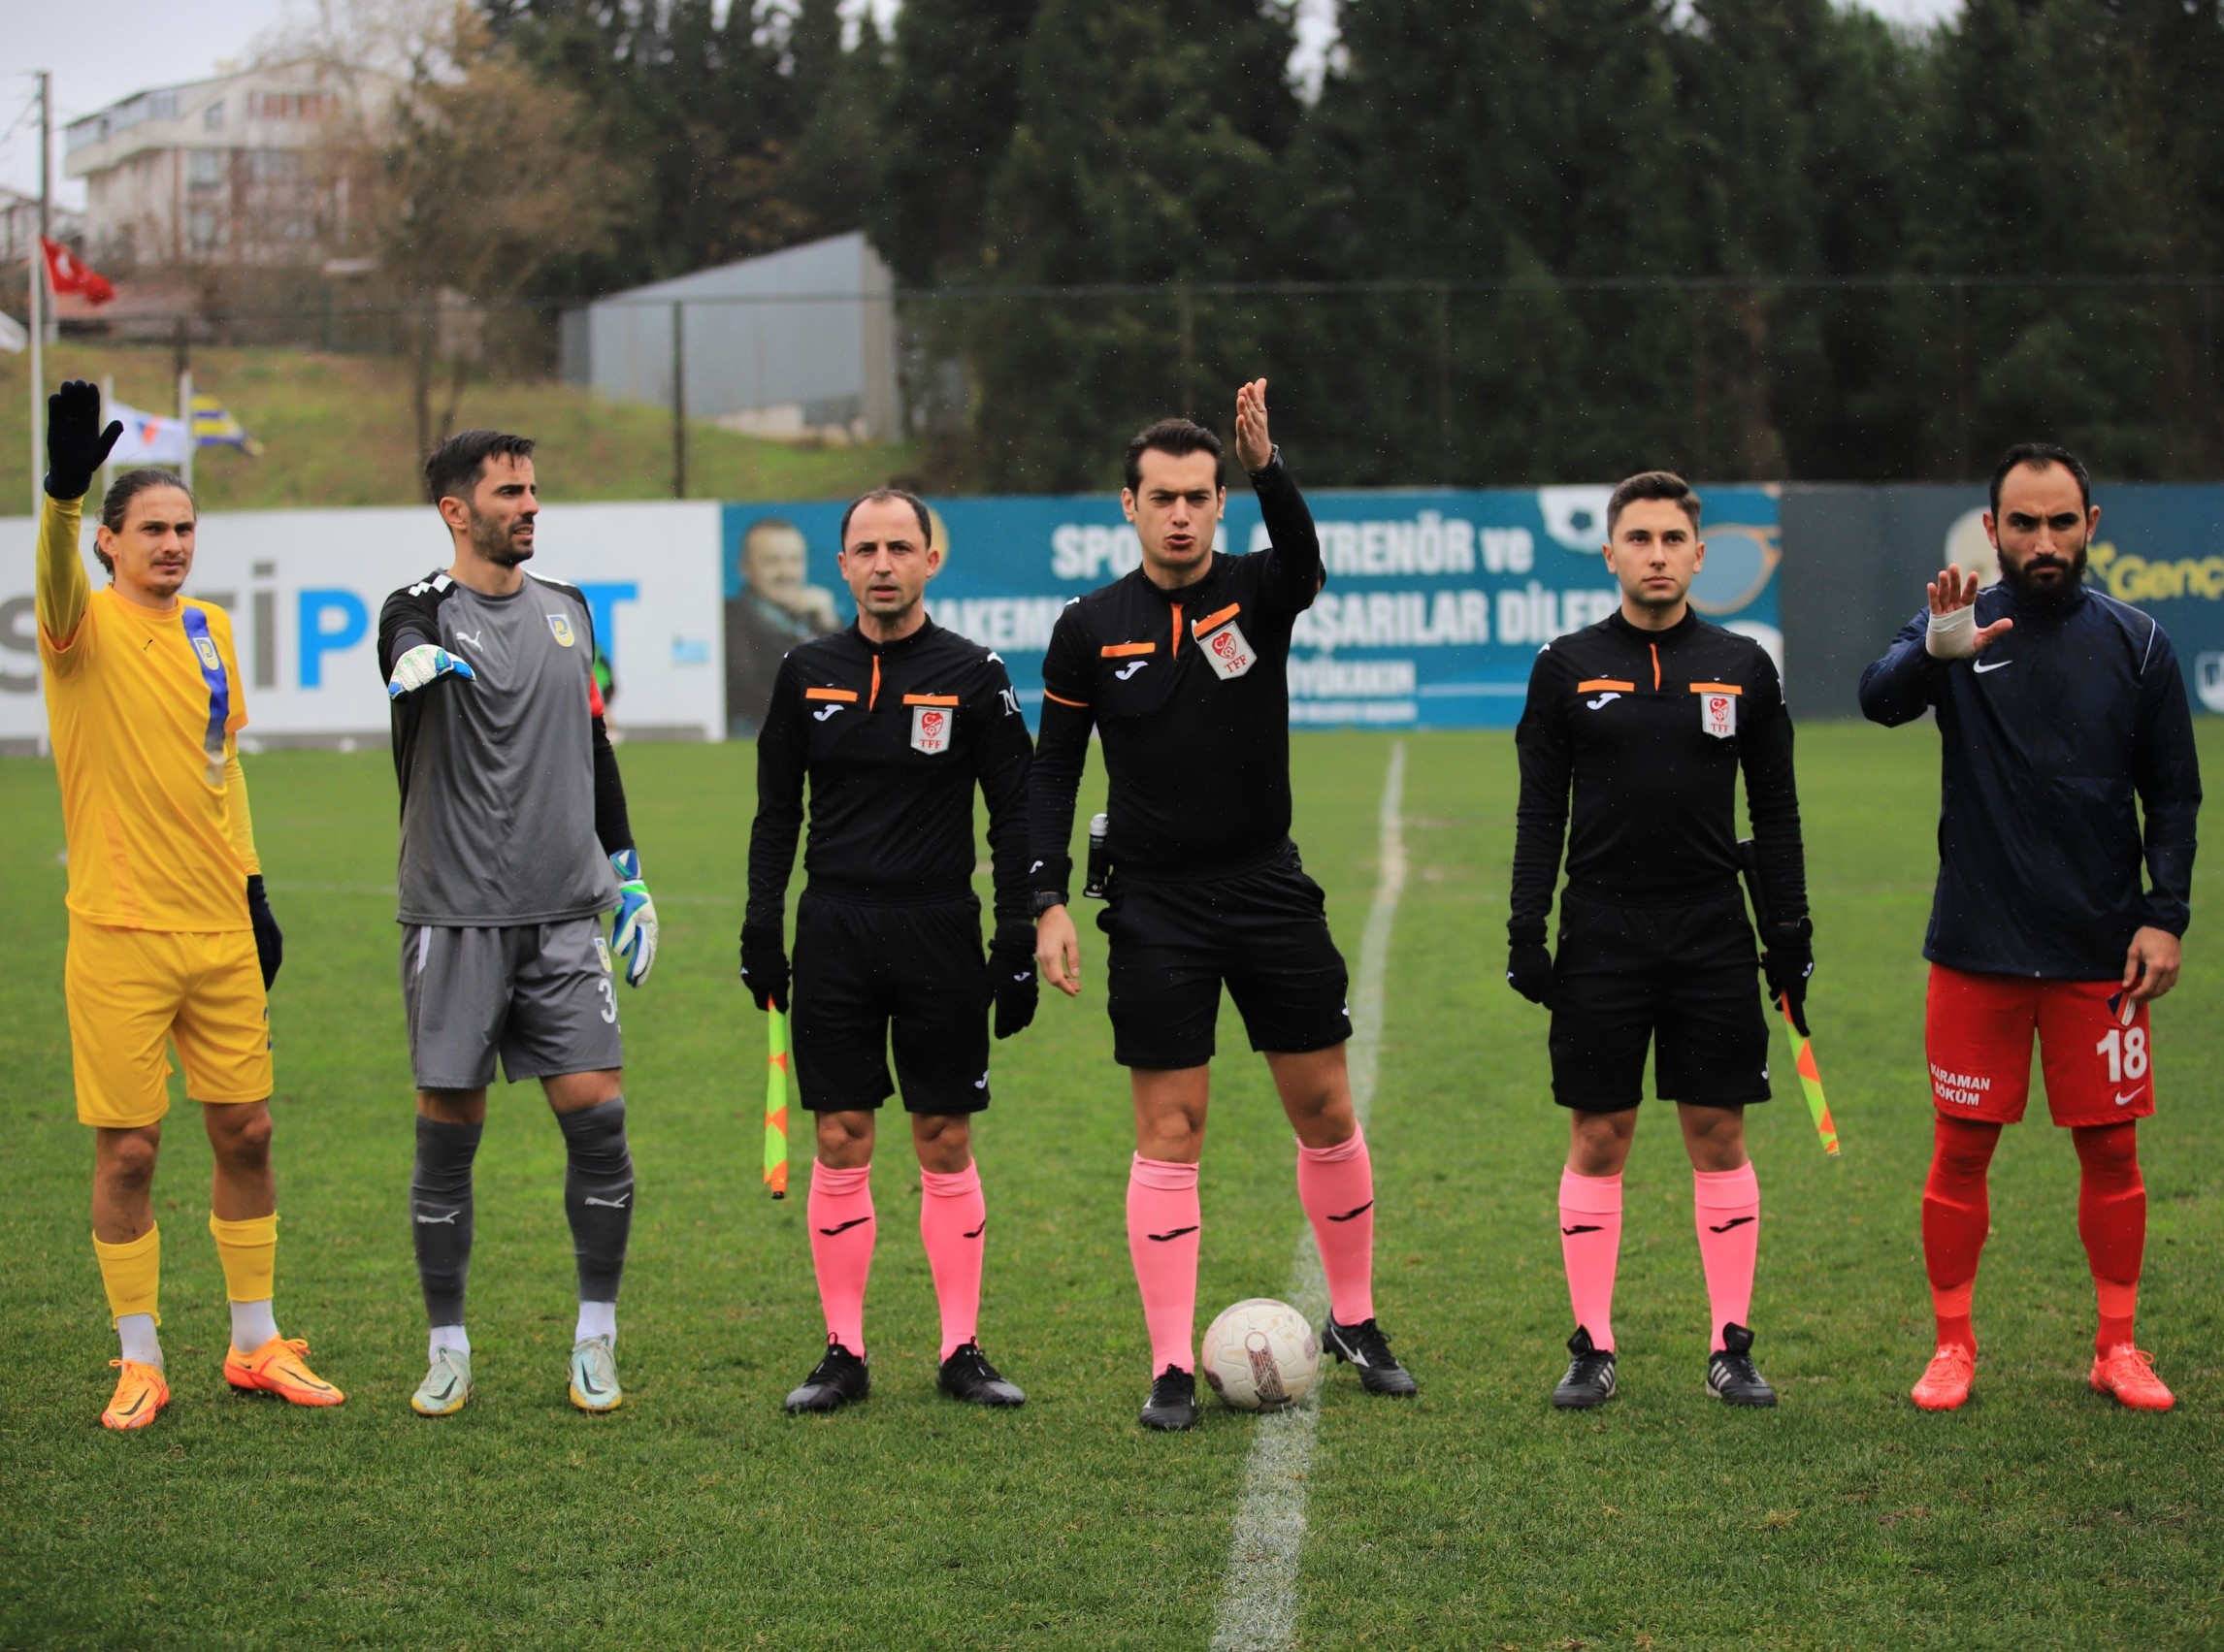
x: 1475, y: 1517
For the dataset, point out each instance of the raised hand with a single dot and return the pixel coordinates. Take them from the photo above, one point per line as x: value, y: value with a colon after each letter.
x: 1953, y: 633
x: 1252, y: 445
x: 76, y: 447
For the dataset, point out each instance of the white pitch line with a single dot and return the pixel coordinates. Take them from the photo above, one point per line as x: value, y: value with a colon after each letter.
x: 1259, y: 1609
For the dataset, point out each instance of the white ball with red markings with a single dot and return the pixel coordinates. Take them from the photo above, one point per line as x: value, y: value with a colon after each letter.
x: 1261, y: 1355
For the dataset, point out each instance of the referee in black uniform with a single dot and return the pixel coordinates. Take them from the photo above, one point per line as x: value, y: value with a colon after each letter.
x: 1650, y: 716
x: 892, y: 722
x: 1180, y: 667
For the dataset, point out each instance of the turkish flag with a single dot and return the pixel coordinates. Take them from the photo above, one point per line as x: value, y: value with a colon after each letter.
x: 66, y: 274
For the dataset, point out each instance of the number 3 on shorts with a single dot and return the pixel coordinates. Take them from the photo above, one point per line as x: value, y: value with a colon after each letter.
x: 610, y: 1002
x: 2126, y: 1051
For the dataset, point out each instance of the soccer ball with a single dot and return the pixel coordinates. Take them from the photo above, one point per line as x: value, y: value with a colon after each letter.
x: 1261, y: 1355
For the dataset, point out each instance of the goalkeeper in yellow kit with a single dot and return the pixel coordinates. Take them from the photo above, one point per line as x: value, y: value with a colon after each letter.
x: 171, y: 939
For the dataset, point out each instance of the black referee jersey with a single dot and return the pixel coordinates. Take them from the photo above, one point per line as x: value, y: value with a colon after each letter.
x: 1648, y: 731
x: 892, y: 737
x: 1190, y: 691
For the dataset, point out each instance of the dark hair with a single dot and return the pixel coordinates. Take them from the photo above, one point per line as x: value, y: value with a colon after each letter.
x: 889, y: 496
x: 1651, y: 484
x: 2039, y: 455
x: 453, y: 470
x: 115, y: 504
x: 1178, y: 437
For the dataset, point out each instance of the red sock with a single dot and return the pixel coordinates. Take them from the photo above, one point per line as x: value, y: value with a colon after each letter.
x: 1957, y: 1215
x: 842, y: 1229
x: 1336, y: 1185
x: 1163, y: 1216
x: 1726, y: 1209
x: 1591, y: 1245
x: 2112, y: 1219
x: 952, y: 1226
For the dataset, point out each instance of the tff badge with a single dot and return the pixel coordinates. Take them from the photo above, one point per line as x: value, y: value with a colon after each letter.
x: 931, y: 728
x: 1229, y: 652
x: 1718, y: 709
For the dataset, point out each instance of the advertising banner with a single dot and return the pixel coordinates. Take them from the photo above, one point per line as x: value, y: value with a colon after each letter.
x: 1435, y: 605
x: 303, y: 589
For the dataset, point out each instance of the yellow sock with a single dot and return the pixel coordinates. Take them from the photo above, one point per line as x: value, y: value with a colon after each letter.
x: 248, y: 1251
x: 132, y: 1272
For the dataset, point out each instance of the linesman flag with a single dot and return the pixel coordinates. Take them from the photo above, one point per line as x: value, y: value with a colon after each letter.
x: 67, y: 274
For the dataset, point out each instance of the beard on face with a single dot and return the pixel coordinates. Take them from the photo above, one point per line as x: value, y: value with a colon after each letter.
x: 2018, y: 577
x: 490, y: 538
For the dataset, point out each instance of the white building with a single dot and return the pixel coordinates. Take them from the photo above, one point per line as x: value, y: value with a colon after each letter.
x: 799, y: 342
x: 238, y: 169
x: 19, y: 229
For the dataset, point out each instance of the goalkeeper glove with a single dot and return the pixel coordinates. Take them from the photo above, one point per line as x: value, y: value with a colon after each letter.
x: 1788, y: 963
x: 1529, y: 971
x: 1011, y: 980
x: 421, y: 665
x: 270, y: 942
x: 764, y: 964
x: 632, y: 935
x: 76, y: 446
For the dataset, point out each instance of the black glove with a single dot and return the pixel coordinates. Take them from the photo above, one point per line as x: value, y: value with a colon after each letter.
x: 765, y: 965
x: 1010, y: 979
x: 1788, y: 963
x: 75, y: 448
x: 1529, y: 971
x: 270, y: 943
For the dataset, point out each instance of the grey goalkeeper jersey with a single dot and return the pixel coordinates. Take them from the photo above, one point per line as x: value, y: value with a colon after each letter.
x: 498, y: 773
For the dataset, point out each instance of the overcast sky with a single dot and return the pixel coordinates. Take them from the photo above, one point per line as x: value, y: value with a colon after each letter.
x: 99, y: 54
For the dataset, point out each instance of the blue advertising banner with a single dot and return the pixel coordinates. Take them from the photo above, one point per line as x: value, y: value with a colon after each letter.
x: 2160, y: 548
x: 1435, y: 605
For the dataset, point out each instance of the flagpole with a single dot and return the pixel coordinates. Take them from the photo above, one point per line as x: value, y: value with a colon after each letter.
x: 186, y: 418
x: 37, y: 276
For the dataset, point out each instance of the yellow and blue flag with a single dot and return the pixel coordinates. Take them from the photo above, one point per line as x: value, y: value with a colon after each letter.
x: 214, y: 426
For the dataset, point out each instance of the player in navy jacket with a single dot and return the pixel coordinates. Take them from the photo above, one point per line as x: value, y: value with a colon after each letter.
x: 2062, y: 717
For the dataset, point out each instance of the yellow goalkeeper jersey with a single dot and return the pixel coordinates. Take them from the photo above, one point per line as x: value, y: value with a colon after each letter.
x: 143, y: 708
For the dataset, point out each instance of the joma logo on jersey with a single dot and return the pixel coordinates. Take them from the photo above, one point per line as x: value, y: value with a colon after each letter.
x: 562, y: 629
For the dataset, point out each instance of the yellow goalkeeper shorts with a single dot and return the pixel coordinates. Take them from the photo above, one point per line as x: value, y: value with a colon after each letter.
x: 132, y: 992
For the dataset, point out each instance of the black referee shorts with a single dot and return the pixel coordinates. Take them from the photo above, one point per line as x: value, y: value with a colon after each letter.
x: 1263, y: 930
x: 867, y: 977
x: 1682, y: 975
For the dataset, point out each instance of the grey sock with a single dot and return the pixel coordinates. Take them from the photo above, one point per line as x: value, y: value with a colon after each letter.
x: 441, y: 1213
x: 597, y: 1194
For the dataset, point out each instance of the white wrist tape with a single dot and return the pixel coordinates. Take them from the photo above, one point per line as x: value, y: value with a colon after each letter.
x: 1953, y: 636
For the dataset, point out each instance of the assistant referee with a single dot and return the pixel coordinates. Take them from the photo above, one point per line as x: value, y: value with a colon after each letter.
x: 1650, y: 716
x: 1180, y: 667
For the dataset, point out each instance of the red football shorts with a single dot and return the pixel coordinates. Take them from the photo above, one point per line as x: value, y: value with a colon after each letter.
x: 1977, y: 1031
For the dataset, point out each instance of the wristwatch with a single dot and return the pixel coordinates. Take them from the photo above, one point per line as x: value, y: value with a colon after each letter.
x: 1042, y: 900
x: 1273, y: 462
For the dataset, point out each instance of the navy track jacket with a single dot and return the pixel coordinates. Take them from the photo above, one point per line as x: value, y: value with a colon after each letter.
x: 2054, y: 740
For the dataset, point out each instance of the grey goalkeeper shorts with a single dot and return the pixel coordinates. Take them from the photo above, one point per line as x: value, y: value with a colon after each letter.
x: 540, y: 994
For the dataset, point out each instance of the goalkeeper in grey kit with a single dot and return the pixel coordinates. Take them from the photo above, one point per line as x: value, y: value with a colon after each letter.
x: 514, y: 841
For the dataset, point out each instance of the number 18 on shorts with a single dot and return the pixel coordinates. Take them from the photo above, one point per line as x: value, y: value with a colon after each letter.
x: 1979, y: 1030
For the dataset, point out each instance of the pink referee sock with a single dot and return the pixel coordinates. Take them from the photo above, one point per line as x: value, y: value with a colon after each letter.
x: 1336, y: 1185
x: 952, y: 1226
x: 842, y: 1229
x: 1591, y: 1245
x: 1726, y: 1207
x: 1164, y: 1217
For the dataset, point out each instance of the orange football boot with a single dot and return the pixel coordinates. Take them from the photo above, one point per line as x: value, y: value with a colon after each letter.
x: 140, y: 1394
x: 1945, y: 1384
x: 281, y: 1367
x: 2127, y: 1374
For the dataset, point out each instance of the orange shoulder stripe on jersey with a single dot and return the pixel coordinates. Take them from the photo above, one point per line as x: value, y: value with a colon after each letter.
x: 848, y: 697
x: 1120, y: 650
x: 1717, y: 688
x: 930, y: 699
x: 1077, y: 705
x: 1210, y: 620
x: 1597, y: 683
